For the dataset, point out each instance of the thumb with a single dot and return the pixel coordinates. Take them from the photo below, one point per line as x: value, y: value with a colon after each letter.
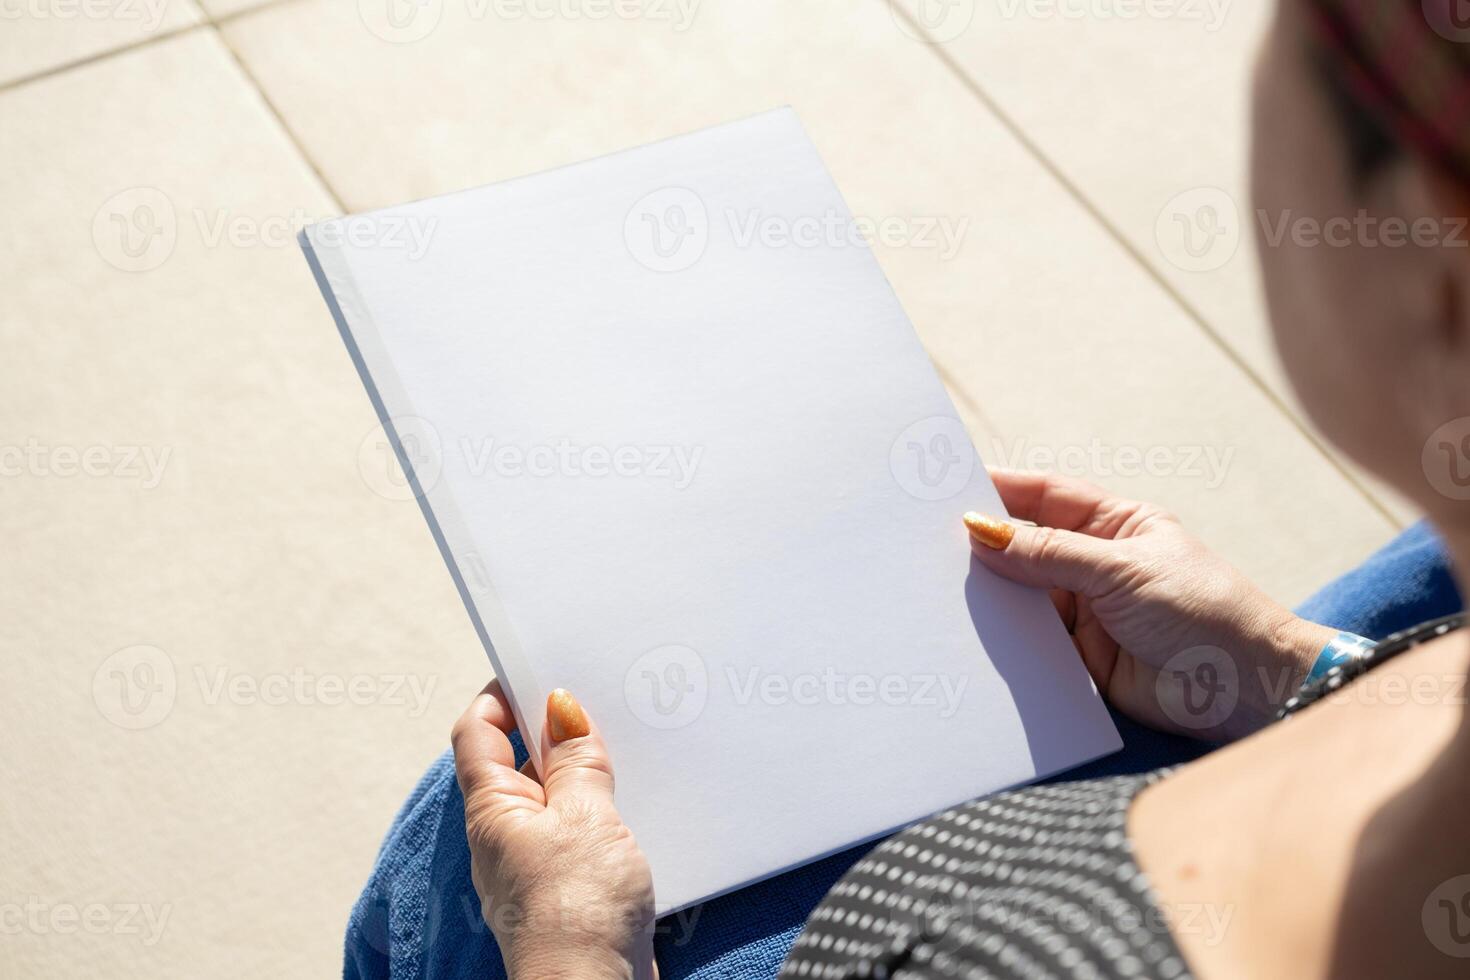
x: 1045, y: 557
x: 574, y: 761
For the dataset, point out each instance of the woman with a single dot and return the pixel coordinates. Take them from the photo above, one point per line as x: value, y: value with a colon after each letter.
x: 1329, y: 845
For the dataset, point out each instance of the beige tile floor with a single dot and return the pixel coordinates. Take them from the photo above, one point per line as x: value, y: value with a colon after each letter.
x: 184, y: 795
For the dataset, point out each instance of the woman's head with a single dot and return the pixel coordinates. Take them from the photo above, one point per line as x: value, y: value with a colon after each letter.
x: 1361, y: 187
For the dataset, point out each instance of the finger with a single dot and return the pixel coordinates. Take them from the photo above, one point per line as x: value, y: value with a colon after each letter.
x: 1133, y: 689
x: 484, y: 759
x: 574, y: 760
x: 484, y: 728
x: 1046, y: 557
x: 1066, y: 605
x: 1062, y: 502
x: 1096, y: 645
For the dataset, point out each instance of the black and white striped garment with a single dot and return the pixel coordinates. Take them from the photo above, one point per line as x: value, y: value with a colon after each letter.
x: 1038, y: 882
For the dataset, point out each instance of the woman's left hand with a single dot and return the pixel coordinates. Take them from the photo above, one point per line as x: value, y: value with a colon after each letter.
x: 562, y: 883
x: 1172, y: 634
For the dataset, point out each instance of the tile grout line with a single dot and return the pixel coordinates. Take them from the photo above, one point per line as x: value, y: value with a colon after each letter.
x: 958, y: 388
x: 272, y: 108
x: 90, y: 59
x: 1067, y: 184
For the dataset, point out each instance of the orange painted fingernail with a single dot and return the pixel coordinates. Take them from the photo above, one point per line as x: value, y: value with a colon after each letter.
x: 989, y: 531
x: 565, y: 716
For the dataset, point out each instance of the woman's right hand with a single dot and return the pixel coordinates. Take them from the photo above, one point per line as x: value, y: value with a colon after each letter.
x: 562, y: 883
x: 1173, y: 635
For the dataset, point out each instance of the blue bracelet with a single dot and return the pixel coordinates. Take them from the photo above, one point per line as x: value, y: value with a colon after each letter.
x: 1339, y: 650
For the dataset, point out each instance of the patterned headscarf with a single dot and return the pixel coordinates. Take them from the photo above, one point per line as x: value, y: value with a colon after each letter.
x: 1408, y: 63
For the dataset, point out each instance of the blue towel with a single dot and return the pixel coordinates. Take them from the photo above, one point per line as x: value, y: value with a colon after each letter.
x: 418, y: 916
x: 1406, y: 582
